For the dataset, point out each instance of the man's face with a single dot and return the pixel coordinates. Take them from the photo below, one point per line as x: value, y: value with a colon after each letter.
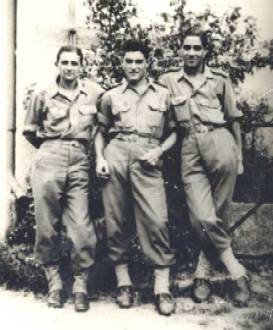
x: 193, y: 52
x: 134, y: 66
x: 69, y: 66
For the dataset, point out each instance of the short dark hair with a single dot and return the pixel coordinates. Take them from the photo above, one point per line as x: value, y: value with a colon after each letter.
x: 134, y: 45
x: 69, y: 49
x: 201, y: 35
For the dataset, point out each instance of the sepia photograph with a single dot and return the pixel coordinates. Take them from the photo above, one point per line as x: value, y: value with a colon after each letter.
x: 136, y: 164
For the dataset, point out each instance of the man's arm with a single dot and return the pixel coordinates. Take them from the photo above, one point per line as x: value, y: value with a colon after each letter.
x: 32, y: 139
x: 102, y: 169
x: 236, y: 132
x: 104, y: 123
x: 152, y: 156
x: 33, y: 120
x: 233, y: 115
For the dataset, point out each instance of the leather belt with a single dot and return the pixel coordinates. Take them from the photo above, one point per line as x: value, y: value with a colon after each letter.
x: 201, y: 128
x: 72, y: 142
x: 137, y: 137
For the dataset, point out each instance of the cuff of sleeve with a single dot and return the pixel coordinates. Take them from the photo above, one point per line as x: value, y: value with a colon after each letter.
x: 236, y: 115
x: 30, y: 129
x: 171, y: 125
x: 102, y: 120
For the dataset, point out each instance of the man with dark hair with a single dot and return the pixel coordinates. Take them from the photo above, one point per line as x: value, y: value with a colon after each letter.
x: 134, y: 116
x: 205, y: 110
x: 59, y: 122
x: 69, y: 49
x: 134, y: 45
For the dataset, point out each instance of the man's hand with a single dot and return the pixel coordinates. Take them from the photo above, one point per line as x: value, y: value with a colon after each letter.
x: 102, y: 169
x: 151, y: 157
x: 240, y: 167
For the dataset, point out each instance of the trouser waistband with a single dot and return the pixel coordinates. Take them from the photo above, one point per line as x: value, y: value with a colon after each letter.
x: 72, y: 142
x: 137, y: 137
x: 201, y: 128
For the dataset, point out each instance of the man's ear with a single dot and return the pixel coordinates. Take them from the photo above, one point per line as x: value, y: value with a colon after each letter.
x: 146, y: 63
x: 122, y: 63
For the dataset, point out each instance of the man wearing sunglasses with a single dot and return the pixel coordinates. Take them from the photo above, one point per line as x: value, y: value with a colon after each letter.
x: 205, y: 110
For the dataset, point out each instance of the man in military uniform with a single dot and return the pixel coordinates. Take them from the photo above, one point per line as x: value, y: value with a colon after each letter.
x: 205, y: 109
x: 59, y: 121
x: 133, y: 117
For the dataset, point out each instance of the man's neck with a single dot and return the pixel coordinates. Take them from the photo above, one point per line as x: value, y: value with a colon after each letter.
x: 68, y: 84
x: 140, y: 86
x: 194, y: 71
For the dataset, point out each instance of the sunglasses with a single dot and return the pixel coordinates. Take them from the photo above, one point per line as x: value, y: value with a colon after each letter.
x: 194, y: 47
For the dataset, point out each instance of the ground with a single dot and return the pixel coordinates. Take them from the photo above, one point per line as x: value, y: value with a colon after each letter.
x: 25, y: 311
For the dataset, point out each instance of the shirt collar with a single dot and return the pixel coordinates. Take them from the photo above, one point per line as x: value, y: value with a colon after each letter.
x: 125, y: 85
x: 207, y: 74
x: 54, y: 88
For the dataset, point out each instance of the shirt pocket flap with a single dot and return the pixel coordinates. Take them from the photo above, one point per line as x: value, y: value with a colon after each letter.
x: 155, y: 106
x: 178, y: 100
x: 86, y: 110
x: 58, y: 112
x: 120, y: 107
x: 214, y: 103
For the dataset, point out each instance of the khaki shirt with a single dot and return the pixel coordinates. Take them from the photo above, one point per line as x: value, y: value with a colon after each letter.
x: 123, y: 110
x: 52, y: 113
x: 212, y: 101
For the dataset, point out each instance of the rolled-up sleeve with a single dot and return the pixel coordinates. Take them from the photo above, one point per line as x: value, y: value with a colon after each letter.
x: 170, y: 118
x: 33, y: 116
x: 105, y: 117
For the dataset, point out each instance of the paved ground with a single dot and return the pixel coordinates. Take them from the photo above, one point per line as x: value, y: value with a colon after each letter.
x: 24, y: 311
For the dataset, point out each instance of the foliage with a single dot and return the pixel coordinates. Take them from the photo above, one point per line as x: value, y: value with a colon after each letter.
x: 256, y: 109
x: 234, y: 43
x: 18, y: 269
x: 110, y: 19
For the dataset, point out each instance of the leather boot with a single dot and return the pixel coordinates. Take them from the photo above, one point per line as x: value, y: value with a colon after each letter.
x: 240, y: 291
x: 124, y: 297
x: 201, y: 290
x: 55, y: 286
x: 54, y: 299
x: 165, y: 304
x: 81, y: 302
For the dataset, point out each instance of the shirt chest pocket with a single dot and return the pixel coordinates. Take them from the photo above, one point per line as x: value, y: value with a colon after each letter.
x: 87, y: 110
x: 181, y: 107
x: 87, y: 113
x: 213, y: 104
x: 57, y: 113
x: 156, y: 114
x: 210, y: 110
x: 123, y: 114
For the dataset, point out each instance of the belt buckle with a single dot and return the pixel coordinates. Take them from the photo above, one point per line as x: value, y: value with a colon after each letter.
x: 200, y: 128
x: 134, y: 138
x: 205, y: 129
x: 74, y: 143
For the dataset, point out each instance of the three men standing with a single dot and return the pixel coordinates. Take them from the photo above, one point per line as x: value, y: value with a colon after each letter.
x: 59, y: 121
x: 205, y: 110
x: 136, y: 126
x: 135, y: 117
